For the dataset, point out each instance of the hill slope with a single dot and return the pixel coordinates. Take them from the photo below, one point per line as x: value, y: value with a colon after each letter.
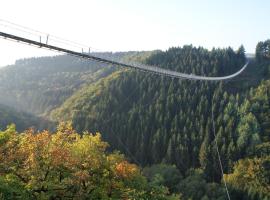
x: 37, y: 85
x: 155, y: 117
x: 22, y: 120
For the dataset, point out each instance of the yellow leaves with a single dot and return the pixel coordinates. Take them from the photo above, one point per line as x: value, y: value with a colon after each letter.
x: 65, y: 127
x: 89, y: 143
x: 65, y: 163
x: 33, y: 148
x: 249, y: 173
x: 33, y: 153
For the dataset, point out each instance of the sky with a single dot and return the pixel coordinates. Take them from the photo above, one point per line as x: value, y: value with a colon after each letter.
x: 124, y: 25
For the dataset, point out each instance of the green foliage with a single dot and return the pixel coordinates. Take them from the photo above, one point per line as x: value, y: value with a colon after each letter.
x: 11, y: 188
x: 261, y: 150
x: 263, y: 51
x: 162, y: 174
x: 248, y: 130
x: 195, y: 186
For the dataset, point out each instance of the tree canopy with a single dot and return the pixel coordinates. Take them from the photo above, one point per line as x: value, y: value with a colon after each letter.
x: 67, y: 165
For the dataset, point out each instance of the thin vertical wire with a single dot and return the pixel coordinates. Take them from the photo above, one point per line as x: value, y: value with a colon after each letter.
x: 216, y: 144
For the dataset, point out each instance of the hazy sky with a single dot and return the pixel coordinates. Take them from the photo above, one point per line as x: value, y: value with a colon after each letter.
x: 121, y: 25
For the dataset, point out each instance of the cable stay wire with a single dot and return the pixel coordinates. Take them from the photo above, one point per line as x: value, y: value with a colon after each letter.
x: 47, y: 37
x: 122, y: 105
x: 217, y: 149
x: 52, y: 40
x: 36, y: 32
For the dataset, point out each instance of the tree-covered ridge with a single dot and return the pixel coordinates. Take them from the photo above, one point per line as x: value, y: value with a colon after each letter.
x: 200, y: 61
x: 67, y: 165
x: 38, y: 85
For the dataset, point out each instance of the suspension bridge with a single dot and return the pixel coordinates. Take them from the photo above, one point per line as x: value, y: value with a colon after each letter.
x: 133, y: 65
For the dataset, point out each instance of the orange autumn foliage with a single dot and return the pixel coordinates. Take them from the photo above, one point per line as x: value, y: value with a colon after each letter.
x: 65, y: 165
x: 126, y: 170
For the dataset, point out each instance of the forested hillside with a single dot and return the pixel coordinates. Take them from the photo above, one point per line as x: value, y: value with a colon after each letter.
x: 155, y: 119
x: 37, y: 85
x: 158, y: 119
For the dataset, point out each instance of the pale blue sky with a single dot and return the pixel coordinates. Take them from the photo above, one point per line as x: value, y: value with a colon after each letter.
x: 121, y: 25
